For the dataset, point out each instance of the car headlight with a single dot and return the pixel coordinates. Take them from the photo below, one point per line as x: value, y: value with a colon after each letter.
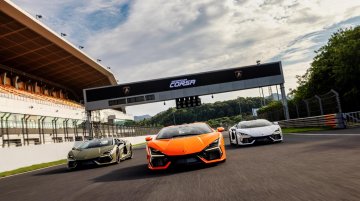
x: 214, y: 144
x: 277, y: 131
x: 155, y: 152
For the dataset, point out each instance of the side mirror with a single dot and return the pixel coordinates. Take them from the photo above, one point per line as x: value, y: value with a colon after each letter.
x: 148, y: 138
x: 220, y: 129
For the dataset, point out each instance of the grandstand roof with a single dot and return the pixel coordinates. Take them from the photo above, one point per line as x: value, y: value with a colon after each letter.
x: 29, y: 46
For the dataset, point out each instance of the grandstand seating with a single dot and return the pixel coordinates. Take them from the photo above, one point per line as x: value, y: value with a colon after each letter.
x: 37, y: 96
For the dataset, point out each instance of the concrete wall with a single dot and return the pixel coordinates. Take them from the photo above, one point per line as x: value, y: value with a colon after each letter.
x: 16, y: 157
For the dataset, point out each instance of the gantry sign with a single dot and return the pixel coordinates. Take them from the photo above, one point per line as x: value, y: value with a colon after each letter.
x: 198, y: 84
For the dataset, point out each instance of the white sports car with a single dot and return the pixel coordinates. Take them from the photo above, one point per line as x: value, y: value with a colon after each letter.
x: 249, y: 132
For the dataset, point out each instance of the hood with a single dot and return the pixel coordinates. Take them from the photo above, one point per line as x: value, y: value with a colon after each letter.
x: 259, y: 131
x: 84, y: 154
x: 183, y: 145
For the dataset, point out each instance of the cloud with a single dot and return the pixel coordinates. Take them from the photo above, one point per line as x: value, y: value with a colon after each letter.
x: 144, y: 40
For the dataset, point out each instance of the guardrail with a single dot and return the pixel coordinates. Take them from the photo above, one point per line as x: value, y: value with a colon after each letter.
x: 352, y: 119
x: 330, y: 120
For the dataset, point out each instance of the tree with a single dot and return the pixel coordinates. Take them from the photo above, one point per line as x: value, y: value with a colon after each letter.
x: 336, y: 66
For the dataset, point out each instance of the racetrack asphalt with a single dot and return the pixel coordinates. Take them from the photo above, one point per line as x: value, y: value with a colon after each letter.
x: 303, y: 167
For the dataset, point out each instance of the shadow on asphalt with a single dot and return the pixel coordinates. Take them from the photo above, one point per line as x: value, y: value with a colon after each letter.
x: 64, y: 170
x: 142, y: 172
x: 257, y: 144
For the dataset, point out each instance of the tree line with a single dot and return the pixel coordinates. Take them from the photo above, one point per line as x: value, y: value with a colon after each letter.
x: 221, y: 113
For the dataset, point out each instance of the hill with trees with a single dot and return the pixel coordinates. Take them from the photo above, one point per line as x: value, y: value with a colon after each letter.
x: 221, y: 113
x: 336, y: 66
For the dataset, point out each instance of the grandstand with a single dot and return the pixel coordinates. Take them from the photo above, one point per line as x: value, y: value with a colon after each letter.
x: 41, y: 81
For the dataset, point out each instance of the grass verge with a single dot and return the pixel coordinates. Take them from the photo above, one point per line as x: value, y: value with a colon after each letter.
x: 303, y: 130
x: 31, y: 168
x: 139, y: 145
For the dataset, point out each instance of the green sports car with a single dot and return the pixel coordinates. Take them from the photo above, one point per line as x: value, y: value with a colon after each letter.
x: 99, y: 152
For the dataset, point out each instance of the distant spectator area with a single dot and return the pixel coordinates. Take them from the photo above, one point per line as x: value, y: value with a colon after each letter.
x: 15, y: 83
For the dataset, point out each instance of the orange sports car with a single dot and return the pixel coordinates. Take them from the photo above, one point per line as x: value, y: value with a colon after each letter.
x: 186, y: 144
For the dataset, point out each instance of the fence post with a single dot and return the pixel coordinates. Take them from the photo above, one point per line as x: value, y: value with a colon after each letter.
x: 297, y: 110
x: 284, y: 101
x: 88, y: 123
x: 74, y: 122
x: 7, y: 128
x: 2, y: 129
x: 39, y: 128
x: 307, y: 107
x: 337, y: 100
x: 42, y: 128
x: 320, y: 104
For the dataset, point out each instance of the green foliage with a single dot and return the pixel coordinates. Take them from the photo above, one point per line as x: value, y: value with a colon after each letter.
x: 218, y: 112
x: 336, y: 66
x: 303, y: 130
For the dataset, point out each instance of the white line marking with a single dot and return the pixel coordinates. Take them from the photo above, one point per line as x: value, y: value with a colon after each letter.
x: 325, y: 134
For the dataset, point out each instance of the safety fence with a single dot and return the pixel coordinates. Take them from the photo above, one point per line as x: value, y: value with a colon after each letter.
x: 55, y: 130
x: 328, y: 103
x: 352, y: 119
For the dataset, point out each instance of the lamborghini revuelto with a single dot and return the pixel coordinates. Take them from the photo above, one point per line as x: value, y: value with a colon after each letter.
x: 186, y: 144
x: 250, y: 132
x: 99, y: 152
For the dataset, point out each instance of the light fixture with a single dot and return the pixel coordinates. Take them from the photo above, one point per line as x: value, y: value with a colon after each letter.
x: 108, y: 67
x: 63, y: 34
x: 258, y: 62
x: 99, y: 60
x: 31, y: 107
x: 38, y: 16
x: 81, y: 47
x: 212, y: 95
x: 164, y: 103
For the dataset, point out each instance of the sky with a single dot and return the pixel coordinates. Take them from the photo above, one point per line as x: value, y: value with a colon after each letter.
x: 142, y: 40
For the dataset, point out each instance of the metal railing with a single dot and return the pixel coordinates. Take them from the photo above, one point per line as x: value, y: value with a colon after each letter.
x: 64, y: 130
x: 328, y: 103
x: 352, y: 119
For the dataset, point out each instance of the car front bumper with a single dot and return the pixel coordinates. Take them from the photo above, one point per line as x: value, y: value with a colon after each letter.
x: 102, y: 160
x: 204, y: 157
x: 248, y: 139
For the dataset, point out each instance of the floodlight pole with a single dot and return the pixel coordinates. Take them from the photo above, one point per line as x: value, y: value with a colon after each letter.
x: 284, y: 101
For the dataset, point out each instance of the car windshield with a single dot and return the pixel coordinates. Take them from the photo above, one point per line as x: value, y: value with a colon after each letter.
x: 95, y: 143
x: 254, y: 123
x: 184, y: 130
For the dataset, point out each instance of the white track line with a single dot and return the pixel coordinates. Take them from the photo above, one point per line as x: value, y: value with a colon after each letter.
x: 325, y: 134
